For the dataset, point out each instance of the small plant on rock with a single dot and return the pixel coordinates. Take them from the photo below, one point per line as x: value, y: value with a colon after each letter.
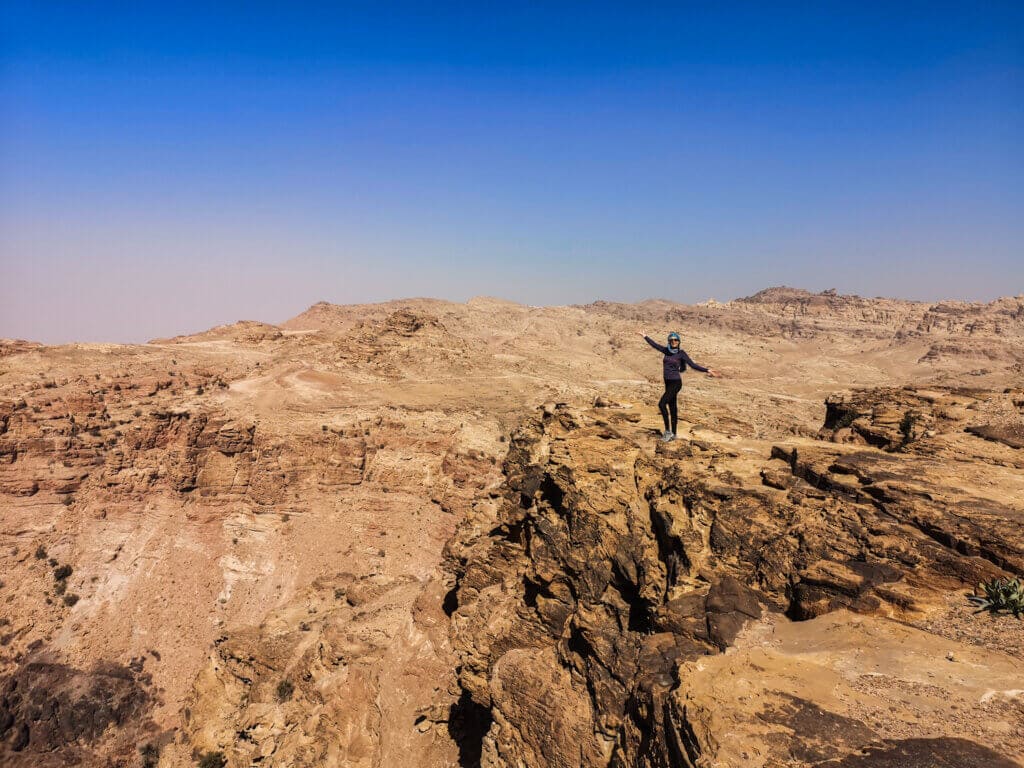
x: 910, y: 418
x: 1000, y: 596
x: 285, y: 690
x: 212, y: 760
x: 150, y: 755
x: 846, y: 418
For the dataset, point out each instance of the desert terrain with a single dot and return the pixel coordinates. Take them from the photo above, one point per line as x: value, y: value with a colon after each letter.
x: 424, y: 533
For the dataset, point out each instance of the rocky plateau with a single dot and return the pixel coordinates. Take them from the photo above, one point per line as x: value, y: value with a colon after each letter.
x: 424, y: 533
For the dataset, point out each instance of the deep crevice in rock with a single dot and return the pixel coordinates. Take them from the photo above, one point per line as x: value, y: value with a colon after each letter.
x: 468, y: 723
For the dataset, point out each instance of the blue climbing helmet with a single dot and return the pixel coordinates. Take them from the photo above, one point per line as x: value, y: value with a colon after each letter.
x: 675, y: 336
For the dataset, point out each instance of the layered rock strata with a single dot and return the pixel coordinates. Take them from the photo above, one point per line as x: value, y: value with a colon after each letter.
x: 591, y: 620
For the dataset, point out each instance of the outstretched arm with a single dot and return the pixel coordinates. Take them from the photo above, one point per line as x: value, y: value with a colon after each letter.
x: 709, y: 371
x: 656, y: 345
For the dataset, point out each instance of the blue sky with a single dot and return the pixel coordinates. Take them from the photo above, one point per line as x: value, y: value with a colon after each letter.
x: 164, y: 168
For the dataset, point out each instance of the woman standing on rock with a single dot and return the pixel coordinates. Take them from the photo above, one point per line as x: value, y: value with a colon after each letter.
x: 674, y: 364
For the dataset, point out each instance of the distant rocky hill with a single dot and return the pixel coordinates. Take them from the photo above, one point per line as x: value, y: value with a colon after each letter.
x: 15, y: 346
x: 428, y: 533
x: 796, y: 313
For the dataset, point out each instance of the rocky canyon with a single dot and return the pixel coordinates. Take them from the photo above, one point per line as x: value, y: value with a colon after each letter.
x: 425, y: 533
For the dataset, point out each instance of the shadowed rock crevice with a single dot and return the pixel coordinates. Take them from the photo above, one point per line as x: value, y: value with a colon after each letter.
x: 924, y: 753
x: 53, y: 714
x: 468, y: 723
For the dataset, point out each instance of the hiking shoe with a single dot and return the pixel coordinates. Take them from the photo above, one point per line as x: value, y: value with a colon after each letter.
x: 667, y: 437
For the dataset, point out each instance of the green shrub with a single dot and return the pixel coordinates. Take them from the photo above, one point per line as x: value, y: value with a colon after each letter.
x: 1000, y: 596
x: 40, y: 552
x: 62, y: 573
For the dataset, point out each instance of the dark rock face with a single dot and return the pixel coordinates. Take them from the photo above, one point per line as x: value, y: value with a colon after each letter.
x: 927, y: 753
x: 612, y: 564
x: 52, y: 714
x: 1011, y: 435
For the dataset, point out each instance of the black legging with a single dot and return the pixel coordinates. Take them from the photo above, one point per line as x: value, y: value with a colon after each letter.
x: 667, y: 404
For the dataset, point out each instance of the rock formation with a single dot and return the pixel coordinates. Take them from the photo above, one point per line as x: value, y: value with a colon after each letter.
x: 585, y: 617
x: 356, y: 539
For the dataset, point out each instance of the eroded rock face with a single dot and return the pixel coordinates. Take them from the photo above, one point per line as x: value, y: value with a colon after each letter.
x: 612, y: 570
x: 318, y: 681
x: 172, y: 517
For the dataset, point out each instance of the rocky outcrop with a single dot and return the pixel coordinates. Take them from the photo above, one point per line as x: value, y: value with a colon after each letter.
x: 612, y: 571
x: 244, y: 331
x: 849, y: 690
x: 17, y: 346
x: 930, y: 422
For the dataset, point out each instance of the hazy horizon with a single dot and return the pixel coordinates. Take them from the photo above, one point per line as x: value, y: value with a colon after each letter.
x: 165, y: 170
x: 399, y: 299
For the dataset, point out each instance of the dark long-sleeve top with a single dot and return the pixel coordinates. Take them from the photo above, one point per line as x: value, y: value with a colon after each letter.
x: 675, y: 362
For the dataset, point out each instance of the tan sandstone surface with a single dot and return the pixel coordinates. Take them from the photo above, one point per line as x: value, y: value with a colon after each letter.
x: 424, y: 533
